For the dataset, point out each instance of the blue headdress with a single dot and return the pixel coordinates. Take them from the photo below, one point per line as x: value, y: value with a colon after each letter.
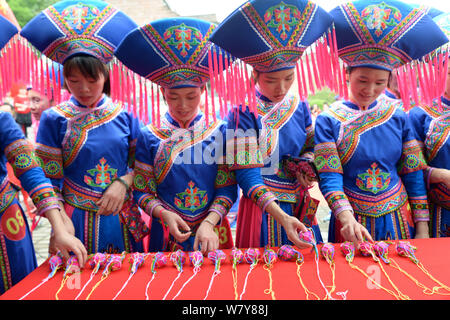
x: 74, y: 27
x: 388, y: 35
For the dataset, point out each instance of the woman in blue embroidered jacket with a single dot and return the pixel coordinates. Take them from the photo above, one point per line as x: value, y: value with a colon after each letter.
x: 180, y: 180
x: 272, y: 45
x: 432, y: 128
x: 86, y: 144
x: 368, y: 159
x: 17, y: 256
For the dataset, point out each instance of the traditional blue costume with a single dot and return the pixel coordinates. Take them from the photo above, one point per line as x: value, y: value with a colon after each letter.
x: 83, y: 149
x: 270, y: 36
x: 17, y: 255
x: 369, y: 161
x: 179, y: 168
x: 432, y: 128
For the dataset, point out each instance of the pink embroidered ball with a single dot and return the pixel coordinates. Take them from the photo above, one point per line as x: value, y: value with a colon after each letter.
x: 252, y: 255
x: 236, y: 256
x: 348, y: 249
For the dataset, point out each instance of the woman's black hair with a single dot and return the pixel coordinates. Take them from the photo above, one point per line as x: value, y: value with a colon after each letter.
x: 89, y: 66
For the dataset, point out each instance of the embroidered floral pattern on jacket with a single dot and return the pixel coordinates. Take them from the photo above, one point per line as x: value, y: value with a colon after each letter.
x: 374, y: 180
x: 191, y: 199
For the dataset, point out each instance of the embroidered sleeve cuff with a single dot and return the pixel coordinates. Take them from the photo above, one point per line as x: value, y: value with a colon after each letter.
x: 419, y: 208
x: 148, y: 203
x: 44, y: 198
x: 221, y: 206
x: 338, y: 202
x: 261, y: 195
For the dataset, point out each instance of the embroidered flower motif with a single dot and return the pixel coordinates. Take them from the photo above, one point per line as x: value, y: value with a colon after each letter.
x: 282, y: 17
x: 192, y: 199
x: 80, y: 15
x: 373, y: 180
x: 378, y: 17
x: 183, y: 38
x: 102, y: 175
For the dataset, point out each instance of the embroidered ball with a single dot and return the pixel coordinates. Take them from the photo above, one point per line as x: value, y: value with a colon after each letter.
x: 72, y: 265
x: 217, y: 256
x: 269, y: 257
x: 381, y: 249
x: 159, y: 260
x: 252, y: 255
x: 405, y: 249
x: 348, y: 249
x: 196, y: 258
x: 115, y: 262
x: 307, y: 236
x: 327, y: 251
x: 97, y: 259
x: 236, y: 256
x: 138, y: 260
x: 55, y: 262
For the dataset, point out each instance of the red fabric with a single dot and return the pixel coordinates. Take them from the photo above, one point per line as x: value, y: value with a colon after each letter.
x: 433, y: 253
x: 248, y: 226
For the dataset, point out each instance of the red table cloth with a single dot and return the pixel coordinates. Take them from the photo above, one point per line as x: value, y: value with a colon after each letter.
x: 434, y: 254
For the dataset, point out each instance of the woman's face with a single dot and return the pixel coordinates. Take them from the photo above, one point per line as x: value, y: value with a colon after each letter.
x: 275, y: 85
x: 183, y: 103
x: 86, y: 90
x: 366, y: 84
x: 38, y: 103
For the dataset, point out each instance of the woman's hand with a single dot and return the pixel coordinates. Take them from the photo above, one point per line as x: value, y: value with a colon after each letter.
x: 113, y: 198
x: 351, y: 229
x: 178, y: 228
x: 206, y: 238
x: 439, y: 175
x: 62, y: 240
x: 291, y: 225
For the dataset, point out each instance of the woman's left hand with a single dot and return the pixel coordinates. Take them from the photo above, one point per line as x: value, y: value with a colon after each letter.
x: 112, y: 199
x: 206, y: 238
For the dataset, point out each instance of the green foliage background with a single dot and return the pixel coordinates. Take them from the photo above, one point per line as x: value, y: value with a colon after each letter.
x: 25, y: 10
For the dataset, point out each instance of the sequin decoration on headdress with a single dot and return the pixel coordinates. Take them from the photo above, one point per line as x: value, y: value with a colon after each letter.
x: 178, y: 259
x: 405, y: 249
x: 137, y: 260
x: 72, y: 267
x: 389, y: 35
x: 95, y: 262
x: 159, y: 260
x: 55, y: 263
x: 217, y: 257
x: 113, y: 263
x: 196, y: 259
